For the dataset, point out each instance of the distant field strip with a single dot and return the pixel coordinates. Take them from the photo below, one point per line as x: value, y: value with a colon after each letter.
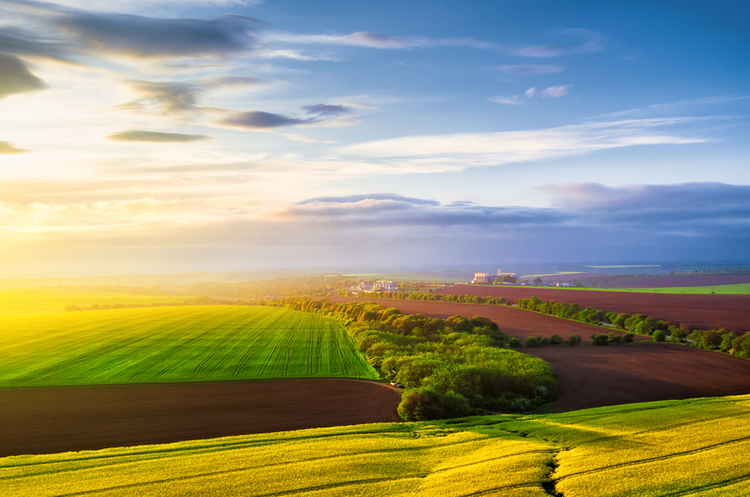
x: 174, y: 344
x: 672, y: 448
x: 45, y: 300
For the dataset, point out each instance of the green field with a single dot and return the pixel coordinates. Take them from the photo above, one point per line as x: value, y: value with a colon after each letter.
x: 692, y: 447
x: 737, y: 289
x: 174, y: 344
x: 45, y: 300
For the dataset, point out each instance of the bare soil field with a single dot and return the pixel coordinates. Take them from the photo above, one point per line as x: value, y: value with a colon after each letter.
x: 698, y: 311
x: 641, y: 372
x: 512, y: 321
x: 59, y: 419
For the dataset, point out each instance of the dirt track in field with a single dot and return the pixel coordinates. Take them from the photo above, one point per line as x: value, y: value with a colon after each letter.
x: 512, y: 321
x: 59, y: 419
x: 641, y: 372
x: 698, y: 311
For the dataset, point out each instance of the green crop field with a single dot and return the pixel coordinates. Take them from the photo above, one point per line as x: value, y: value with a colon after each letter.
x: 46, y: 300
x: 736, y: 289
x: 692, y: 447
x: 174, y: 344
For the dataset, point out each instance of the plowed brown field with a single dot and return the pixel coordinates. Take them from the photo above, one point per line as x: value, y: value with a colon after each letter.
x: 641, y: 372
x: 512, y: 321
x: 59, y: 419
x: 698, y: 311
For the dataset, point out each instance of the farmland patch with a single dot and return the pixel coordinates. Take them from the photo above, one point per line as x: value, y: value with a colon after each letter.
x: 174, y: 344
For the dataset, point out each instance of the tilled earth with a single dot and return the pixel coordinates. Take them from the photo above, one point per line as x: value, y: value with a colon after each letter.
x: 58, y: 419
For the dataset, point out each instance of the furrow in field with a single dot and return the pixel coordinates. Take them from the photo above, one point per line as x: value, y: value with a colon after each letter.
x: 647, y: 460
x: 261, y: 332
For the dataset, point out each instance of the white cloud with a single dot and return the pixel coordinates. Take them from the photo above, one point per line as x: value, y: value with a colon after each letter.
x: 551, y: 92
x: 456, y: 152
x: 555, y: 91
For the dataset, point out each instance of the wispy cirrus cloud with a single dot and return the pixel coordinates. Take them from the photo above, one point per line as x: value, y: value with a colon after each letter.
x: 457, y: 152
x: 591, y: 41
x: 550, y: 92
x: 139, y: 135
x: 530, y: 69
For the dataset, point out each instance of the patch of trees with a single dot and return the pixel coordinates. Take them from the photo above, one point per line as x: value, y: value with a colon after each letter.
x: 450, y: 367
x: 435, y: 297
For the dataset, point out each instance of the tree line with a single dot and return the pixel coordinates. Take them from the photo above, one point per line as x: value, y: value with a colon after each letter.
x: 720, y: 339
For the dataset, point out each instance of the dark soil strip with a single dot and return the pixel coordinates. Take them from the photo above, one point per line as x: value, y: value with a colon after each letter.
x: 698, y: 311
x: 58, y: 419
x: 592, y: 376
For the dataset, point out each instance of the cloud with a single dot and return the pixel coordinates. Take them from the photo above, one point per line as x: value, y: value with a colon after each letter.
x: 322, y: 114
x: 551, y: 92
x: 373, y: 196
x: 389, y: 210
x: 15, y: 77
x: 656, y: 204
x: 169, y: 98
x: 591, y: 42
x: 512, y: 100
x: 360, y: 39
x: 18, y: 41
x: 180, y: 97
x: 254, y: 119
x: 148, y: 37
x: 328, y: 109
x: 137, y: 135
x: 457, y: 152
x: 382, y: 41
x: 7, y: 149
x: 530, y: 69
x: 555, y: 91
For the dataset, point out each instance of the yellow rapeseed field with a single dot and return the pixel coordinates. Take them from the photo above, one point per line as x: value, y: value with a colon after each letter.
x: 691, y: 447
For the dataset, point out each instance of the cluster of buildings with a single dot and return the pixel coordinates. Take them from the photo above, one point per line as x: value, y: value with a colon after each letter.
x: 378, y: 286
x: 489, y: 278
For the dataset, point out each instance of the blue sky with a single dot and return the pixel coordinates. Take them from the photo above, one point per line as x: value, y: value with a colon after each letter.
x: 229, y: 135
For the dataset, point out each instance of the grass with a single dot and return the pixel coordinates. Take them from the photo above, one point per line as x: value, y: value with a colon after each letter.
x: 736, y: 289
x: 45, y: 300
x: 692, y: 447
x: 174, y: 344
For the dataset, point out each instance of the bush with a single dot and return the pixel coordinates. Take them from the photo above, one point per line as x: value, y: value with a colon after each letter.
x: 599, y: 339
x: 420, y: 404
x: 514, y: 342
x: 628, y: 337
x: 532, y: 342
x: 614, y: 337
x: 556, y: 340
x: 543, y: 341
x: 573, y: 340
x: 659, y: 336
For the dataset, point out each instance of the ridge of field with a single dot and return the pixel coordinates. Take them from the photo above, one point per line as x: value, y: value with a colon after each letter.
x: 691, y: 447
x: 697, y: 311
x: 591, y: 376
x: 46, y: 300
x: 174, y: 344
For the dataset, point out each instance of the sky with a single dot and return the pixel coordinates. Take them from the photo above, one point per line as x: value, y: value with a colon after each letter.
x: 226, y: 135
